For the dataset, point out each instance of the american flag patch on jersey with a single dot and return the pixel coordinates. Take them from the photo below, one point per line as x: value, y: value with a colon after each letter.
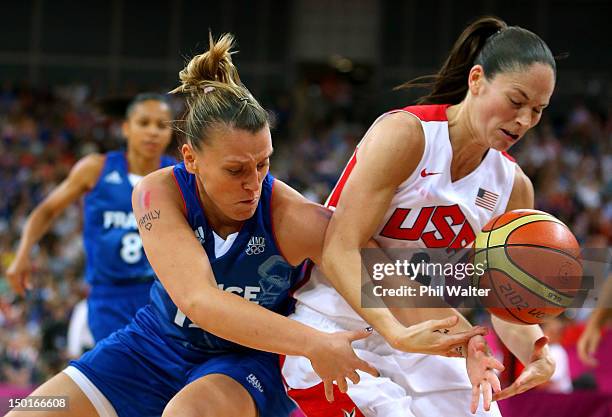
x: 486, y: 199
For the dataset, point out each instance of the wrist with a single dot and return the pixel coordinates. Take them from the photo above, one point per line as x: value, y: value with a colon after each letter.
x: 23, y: 252
x: 543, y: 354
x: 312, y: 344
x: 477, y: 343
x: 392, y: 331
x: 597, y: 320
x: 550, y: 362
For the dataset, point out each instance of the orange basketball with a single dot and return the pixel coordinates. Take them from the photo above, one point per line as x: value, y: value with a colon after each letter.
x: 531, y: 266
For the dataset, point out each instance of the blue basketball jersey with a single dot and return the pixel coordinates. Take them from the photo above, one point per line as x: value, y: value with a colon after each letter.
x: 110, y: 234
x: 253, y: 268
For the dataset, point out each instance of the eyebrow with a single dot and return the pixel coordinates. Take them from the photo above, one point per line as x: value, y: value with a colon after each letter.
x: 242, y: 161
x: 524, y: 94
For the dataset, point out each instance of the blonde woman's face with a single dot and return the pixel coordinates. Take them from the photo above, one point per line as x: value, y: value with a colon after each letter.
x: 231, y: 166
x: 511, y: 103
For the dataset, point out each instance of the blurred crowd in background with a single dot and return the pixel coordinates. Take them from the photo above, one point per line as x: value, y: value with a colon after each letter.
x: 43, y: 132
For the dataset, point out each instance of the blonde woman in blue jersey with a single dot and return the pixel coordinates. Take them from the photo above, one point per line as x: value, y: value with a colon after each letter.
x: 117, y: 270
x: 227, y: 241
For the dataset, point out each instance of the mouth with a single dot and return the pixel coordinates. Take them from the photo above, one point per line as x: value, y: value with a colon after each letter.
x: 151, y: 145
x: 250, y: 202
x: 510, y: 136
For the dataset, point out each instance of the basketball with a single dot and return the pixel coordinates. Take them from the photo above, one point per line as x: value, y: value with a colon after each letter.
x: 531, y: 266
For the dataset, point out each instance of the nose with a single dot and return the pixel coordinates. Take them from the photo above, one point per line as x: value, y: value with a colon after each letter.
x: 523, y: 117
x: 251, y: 181
x: 154, y: 131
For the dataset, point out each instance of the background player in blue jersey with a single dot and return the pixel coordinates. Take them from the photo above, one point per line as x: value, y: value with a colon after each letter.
x: 117, y: 269
x: 226, y: 241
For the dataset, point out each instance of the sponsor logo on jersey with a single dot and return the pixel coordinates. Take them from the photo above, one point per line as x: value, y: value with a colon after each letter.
x: 256, y: 246
x: 347, y: 414
x: 424, y: 173
x: 252, y: 379
x: 113, y: 178
x: 119, y: 220
x: 200, y: 234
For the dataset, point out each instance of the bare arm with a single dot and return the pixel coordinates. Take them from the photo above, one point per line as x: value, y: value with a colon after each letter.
x: 299, y: 224
x: 519, y: 338
x: 527, y: 343
x: 591, y: 336
x: 362, y: 205
x: 81, y: 179
x: 603, y: 313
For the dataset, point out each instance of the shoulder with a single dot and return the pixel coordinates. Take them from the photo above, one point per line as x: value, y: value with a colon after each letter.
x: 395, y: 144
x: 158, y: 185
x: 522, y: 196
x: 399, y: 130
x: 91, y: 162
x: 87, y: 170
x: 287, y: 203
x: 299, y: 224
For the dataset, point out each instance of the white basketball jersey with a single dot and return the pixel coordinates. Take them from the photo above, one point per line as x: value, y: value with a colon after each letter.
x: 428, y: 210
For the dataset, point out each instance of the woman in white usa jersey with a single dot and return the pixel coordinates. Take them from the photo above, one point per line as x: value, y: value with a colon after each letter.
x: 431, y: 176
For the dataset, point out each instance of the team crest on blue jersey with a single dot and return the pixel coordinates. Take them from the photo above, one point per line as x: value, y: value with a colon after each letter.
x: 256, y: 246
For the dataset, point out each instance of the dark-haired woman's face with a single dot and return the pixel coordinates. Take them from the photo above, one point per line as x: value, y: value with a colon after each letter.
x: 148, y: 129
x: 232, y: 166
x: 511, y: 103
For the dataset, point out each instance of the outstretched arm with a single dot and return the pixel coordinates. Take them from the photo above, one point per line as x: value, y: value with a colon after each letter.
x: 590, y: 338
x: 81, y: 179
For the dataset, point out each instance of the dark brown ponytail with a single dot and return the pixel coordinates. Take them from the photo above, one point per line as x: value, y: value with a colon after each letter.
x: 489, y: 42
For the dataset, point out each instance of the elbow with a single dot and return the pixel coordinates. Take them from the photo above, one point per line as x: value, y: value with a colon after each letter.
x: 327, y: 258
x: 194, y: 309
x: 45, y: 211
x: 188, y: 305
x: 334, y: 251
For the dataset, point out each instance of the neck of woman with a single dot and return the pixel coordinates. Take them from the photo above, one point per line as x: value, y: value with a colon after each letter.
x: 468, y: 149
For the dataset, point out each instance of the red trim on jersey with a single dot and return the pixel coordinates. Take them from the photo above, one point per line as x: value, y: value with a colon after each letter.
x: 313, y: 403
x: 281, y: 362
x: 429, y: 112
x: 507, y: 155
x: 180, y: 191
x: 334, y: 197
x: 307, y: 271
x: 426, y: 113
